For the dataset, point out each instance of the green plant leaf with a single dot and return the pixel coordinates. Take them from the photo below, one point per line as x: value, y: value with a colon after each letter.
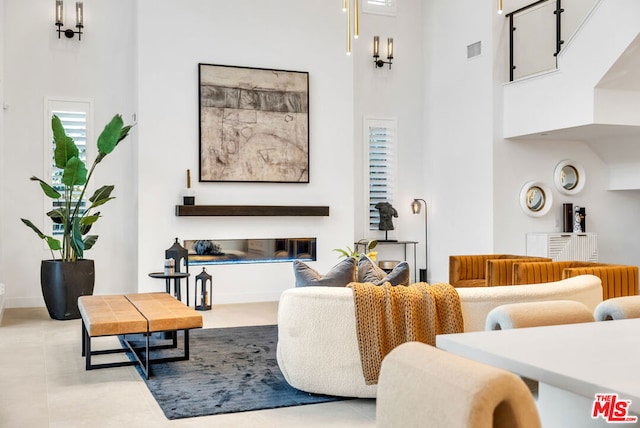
x: 372, y: 244
x: 124, y: 132
x: 89, y: 241
x: 58, y: 215
x: 75, y: 173
x: 47, y: 189
x: 90, y: 219
x: 87, y: 222
x: 101, y: 196
x: 53, y: 243
x: 76, y: 238
x: 110, y: 136
x: 342, y: 252
x: 65, y: 146
x: 34, y: 228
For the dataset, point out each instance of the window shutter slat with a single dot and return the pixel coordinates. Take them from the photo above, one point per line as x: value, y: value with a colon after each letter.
x: 381, y: 147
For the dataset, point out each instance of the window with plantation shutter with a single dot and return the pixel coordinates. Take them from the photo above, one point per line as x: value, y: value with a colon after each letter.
x: 380, y: 168
x: 379, y: 7
x: 74, y: 116
x: 75, y: 126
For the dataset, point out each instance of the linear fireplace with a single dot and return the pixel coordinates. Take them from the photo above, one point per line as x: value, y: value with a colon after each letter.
x: 240, y: 251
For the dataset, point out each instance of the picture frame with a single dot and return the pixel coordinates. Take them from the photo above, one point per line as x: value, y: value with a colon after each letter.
x: 254, y: 124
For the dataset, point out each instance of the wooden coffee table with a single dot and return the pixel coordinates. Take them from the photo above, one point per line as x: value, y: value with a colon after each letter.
x: 144, y: 313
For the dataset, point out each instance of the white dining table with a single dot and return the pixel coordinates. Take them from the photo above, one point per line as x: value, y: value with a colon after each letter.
x: 572, y: 364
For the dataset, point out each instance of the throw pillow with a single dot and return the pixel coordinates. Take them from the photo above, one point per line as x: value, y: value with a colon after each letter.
x: 368, y: 271
x: 339, y: 276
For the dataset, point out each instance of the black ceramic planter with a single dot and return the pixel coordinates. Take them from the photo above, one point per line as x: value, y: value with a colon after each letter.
x: 62, y: 283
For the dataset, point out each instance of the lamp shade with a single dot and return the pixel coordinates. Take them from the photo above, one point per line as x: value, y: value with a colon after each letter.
x: 415, y: 206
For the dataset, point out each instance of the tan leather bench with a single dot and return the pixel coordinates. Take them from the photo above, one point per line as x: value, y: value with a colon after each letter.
x: 144, y: 313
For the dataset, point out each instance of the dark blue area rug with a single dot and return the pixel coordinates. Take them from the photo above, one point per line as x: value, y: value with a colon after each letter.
x: 230, y: 370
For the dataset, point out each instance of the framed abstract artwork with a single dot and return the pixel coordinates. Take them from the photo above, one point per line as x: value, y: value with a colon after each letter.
x: 254, y: 124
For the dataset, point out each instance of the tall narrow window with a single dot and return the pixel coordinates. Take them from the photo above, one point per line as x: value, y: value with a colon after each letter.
x: 379, y: 7
x: 381, y: 146
x: 75, y: 116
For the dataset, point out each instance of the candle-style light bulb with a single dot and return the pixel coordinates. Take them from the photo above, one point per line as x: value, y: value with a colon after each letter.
x: 390, y: 48
x: 499, y: 7
x: 59, y: 14
x: 79, y: 14
x: 356, y: 21
x: 376, y: 46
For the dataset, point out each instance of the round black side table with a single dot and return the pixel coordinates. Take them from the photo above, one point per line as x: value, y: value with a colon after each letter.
x: 177, y: 276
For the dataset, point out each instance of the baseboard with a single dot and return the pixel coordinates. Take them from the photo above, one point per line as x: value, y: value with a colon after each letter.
x: 220, y: 299
x: 230, y: 298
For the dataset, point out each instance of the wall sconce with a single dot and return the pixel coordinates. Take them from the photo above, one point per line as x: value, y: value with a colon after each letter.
x: 79, y: 20
x: 415, y: 207
x: 376, y: 52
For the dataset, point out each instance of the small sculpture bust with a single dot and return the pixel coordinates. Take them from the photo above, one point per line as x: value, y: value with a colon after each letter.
x: 387, y: 212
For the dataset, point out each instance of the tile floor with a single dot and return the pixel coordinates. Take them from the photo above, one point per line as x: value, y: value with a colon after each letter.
x: 43, y: 382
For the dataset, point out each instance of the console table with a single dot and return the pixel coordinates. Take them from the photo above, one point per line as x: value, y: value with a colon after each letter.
x: 571, y: 362
x: 563, y: 246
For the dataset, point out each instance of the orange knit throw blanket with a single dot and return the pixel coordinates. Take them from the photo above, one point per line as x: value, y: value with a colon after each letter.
x: 387, y: 316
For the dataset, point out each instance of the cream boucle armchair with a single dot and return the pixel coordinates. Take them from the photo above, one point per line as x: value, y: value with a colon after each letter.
x: 421, y: 385
x: 317, y: 339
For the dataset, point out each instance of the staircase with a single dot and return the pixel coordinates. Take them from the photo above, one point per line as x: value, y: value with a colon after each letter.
x: 592, y: 96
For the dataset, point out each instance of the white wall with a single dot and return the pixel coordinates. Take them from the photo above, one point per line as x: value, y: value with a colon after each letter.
x: 449, y: 117
x: 392, y: 93
x: 458, y: 127
x: 610, y: 214
x: 474, y: 176
x: 2, y: 143
x: 37, y: 65
x: 2, y: 287
x: 286, y: 34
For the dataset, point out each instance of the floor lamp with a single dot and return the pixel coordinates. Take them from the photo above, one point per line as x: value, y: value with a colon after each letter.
x: 415, y: 207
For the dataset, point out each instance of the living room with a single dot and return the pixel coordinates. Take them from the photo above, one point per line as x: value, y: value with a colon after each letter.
x: 140, y: 59
x: 469, y: 176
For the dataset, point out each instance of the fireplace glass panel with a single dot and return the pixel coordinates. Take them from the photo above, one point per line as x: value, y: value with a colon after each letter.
x: 232, y: 251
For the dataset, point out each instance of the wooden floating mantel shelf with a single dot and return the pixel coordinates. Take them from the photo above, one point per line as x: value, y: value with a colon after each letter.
x: 250, y: 210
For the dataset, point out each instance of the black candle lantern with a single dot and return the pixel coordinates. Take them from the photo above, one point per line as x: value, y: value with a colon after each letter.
x: 205, y: 291
x: 179, y: 254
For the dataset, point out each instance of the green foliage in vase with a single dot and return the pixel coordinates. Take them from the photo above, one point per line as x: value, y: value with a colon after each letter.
x: 353, y: 252
x: 75, y: 178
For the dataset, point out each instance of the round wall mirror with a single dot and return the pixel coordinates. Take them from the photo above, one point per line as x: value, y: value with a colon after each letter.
x: 535, y: 199
x: 569, y: 177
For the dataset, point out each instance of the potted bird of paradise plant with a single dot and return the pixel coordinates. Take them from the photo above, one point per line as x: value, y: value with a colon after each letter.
x: 69, y: 275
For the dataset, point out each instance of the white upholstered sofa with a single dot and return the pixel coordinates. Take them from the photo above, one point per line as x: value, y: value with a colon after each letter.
x: 317, y: 343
